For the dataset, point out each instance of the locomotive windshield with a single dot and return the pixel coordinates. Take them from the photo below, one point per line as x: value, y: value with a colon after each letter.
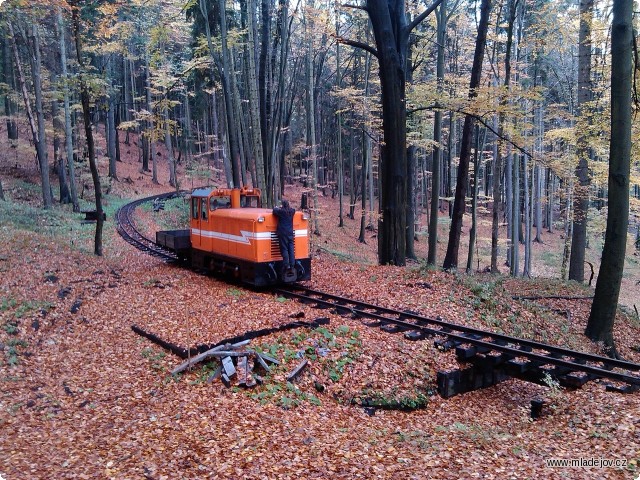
x: 219, y: 202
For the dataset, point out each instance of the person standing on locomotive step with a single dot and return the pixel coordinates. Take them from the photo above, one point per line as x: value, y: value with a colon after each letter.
x: 284, y: 231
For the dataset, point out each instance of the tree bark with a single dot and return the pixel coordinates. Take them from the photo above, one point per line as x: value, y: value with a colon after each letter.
x: 441, y: 18
x: 68, y: 130
x: 605, y: 301
x: 86, y: 111
x: 451, y: 258
x: 37, y: 131
x: 581, y: 193
x: 8, y: 77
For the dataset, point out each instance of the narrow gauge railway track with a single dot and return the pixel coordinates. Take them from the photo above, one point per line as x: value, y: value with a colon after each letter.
x: 126, y: 227
x: 566, y: 362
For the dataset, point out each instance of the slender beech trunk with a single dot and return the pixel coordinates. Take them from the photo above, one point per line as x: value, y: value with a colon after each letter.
x: 311, y: 126
x: 86, y: 112
x: 37, y: 131
x: 7, y: 76
x: 339, y: 159
x: 68, y: 130
x: 411, y: 201
x: 363, y: 183
x: 515, y: 221
x: 58, y: 157
x: 441, y: 18
x: 567, y: 230
x: 527, y: 220
x: 257, y: 151
x: 581, y: 194
x: 451, y: 258
x: 150, y: 127
x: 173, y: 176
x: 474, y: 201
x: 497, y: 173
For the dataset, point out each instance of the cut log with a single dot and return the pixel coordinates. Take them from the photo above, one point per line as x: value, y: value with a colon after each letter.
x: 262, y: 363
x: 296, y: 371
x: 242, y: 371
x: 228, y: 367
x: 198, y: 358
x: 215, y: 375
x: 268, y: 358
x: 227, y: 347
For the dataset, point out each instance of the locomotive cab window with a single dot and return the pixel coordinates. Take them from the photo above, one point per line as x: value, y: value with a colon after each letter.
x: 194, y: 208
x: 204, y: 208
x: 219, y: 202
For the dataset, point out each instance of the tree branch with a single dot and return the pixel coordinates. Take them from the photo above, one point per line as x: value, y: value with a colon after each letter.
x: 356, y: 44
x: 357, y: 7
x: 416, y: 21
x: 482, y: 121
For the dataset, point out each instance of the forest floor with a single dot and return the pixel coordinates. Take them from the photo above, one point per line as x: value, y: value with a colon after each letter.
x: 83, y: 396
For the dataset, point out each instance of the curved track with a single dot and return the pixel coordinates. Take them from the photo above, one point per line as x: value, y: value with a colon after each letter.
x: 571, y: 367
x: 127, y: 229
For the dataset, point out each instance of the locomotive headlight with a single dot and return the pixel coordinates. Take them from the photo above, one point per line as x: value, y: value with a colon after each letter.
x: 260, y: 219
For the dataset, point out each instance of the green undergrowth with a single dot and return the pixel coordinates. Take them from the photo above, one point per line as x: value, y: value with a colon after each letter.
x: 174, y: 216
x: 394, y: 400
x: 23, y: 211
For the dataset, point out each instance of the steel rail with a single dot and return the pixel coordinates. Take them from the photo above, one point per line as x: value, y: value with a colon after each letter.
x: 127, y: 229
x: 473, y: 336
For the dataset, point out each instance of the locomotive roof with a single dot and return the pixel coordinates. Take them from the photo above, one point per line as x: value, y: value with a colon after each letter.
x: 201, y: 192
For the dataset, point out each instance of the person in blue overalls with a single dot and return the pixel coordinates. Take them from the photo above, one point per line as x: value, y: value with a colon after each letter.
x: 284, y: 231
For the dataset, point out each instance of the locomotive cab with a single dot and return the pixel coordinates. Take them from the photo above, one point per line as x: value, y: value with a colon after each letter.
x: 230, y: 232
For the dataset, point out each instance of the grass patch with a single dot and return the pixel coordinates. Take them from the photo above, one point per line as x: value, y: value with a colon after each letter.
x: 332, y: 350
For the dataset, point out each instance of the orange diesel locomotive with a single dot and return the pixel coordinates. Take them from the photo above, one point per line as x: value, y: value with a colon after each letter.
x: 231, y: 233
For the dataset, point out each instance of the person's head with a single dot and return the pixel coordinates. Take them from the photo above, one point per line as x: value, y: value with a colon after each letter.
x: 285, y: 204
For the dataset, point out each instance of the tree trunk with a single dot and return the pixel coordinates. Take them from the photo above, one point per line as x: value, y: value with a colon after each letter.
x: 515, y: 222
x: 68, y: 130
x: 581, y: 194
x: 86, y: 111
x: 411, y: 201
x: 451, y: 258
x: 168, y: 144
x: 58, y: 158
x: 474, y: 201
x: 363, y: 180
x: 441, y: 18
x: 527, y: 220
x: 111, y: 129
x: 150, y: 130
x: 311, y: 127
x: 567, y: 230
x: 7, y: 76
x: 257, y: 152
x: 37, y: 132
x: 339, y: 159
x: 605, y: 300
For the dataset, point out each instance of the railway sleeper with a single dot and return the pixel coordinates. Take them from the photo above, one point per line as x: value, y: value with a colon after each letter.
x: 622, y: 389
x: 393, y: 328
x: 468, y: 379
x: 415, y: 335
x: 466, y: 352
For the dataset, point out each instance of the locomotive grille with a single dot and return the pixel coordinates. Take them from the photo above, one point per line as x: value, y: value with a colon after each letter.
x: 275, y: 247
